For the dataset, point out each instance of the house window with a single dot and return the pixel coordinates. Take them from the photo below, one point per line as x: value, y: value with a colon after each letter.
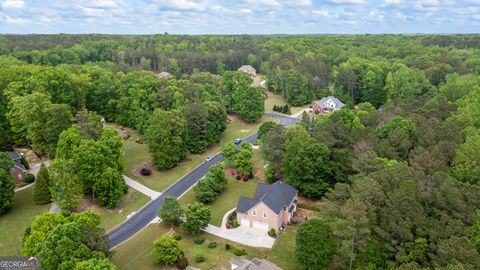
x: 254, y: 212
x: 264, y: 214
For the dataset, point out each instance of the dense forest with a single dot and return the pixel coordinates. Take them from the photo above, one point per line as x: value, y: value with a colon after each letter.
x: 398, y: 167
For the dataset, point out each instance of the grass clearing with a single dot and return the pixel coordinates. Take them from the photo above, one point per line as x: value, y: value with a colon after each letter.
x: 282, y: 252
x: 137, y: 154
x: 275, y: 99
x: 14, y: 222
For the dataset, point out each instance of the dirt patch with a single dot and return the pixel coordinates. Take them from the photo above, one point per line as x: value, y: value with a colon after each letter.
x: 31, y: 156
x: 305, y: 200
x: 234, y: 117
x: 147, y: 165
x: 245, y: 130
x: 88, y: 204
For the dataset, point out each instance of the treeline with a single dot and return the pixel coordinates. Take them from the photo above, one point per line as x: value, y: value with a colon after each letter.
x: 401, y: 184
x: 361, y: 68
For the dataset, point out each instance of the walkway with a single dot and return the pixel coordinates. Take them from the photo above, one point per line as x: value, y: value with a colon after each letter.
x: 242, y: 234
x: 143, y: 189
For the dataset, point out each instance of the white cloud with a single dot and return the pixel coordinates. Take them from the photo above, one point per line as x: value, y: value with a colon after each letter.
x: 302, y: 3
x: 347, y: 2
x: 94, y: 12
x: 183, y: 4
x: 245, y: 10
x: 13, y: 4
x: 259, y: 3
x: 393, y: 2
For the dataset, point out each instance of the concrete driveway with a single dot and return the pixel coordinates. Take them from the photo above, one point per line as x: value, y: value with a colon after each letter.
x: 244, y: 235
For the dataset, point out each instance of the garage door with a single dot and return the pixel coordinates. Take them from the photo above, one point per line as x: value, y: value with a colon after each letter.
x: 260, y: 225
x: 245, y: 222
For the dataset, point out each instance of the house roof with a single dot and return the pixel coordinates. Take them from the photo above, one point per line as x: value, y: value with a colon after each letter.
x: 254, y: 264
x: 276, y: 196
x: 14, y: 155
x: 330, y: 103
x: 21, y: 167
x: 164, y: 74
x: 246, y: 67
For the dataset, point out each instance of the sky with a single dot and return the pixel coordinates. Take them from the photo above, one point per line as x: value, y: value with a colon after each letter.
x: 239, y: 16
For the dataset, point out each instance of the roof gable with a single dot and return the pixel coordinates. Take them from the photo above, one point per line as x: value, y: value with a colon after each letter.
x: 275, y: 196
x: 330, y: 103
x: 14, y: 155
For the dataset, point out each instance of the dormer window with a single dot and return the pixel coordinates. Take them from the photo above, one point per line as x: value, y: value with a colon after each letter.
x: 254, y: 212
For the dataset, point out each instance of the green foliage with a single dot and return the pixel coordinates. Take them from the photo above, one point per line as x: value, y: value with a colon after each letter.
x: 199, y: 258
x: 165, y: 137
x: 6, y: 163
x: 272, y: 232
x: 109, y: 188
x: 24, y: 162
x: 166, y: 250
x: 466, y: 165
x: 196, y: 116
x: 468, y: 112
x: 248, y: 102
x: 243, y: 160
x: 458, y: 86
x: 209, y: 187
x: 264, y: 129
x: 398, y: 122
x: 95, y: 264
x: 90, y: 124
x: 7, y: 187
x: 229, y: 153
x: 41, y: 190
x: 171, y: 213
x: 235, y: 223
x: 182, y: 263
x: 65, y: 187
x: 235, y: 251
x: 197, y: 217
x: 177, y: 236
x: 314, y: 245
x: 212, y: 245
x: 199, y: 240
x: 29, y: 178
x: 474, y: 230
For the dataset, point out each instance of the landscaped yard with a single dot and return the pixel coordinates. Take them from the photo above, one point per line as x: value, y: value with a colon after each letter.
x: 14, y: 222
x: 137, y: 154
x: 274, y: 99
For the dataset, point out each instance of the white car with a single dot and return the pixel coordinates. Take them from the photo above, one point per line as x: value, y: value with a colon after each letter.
x: 208, y: 158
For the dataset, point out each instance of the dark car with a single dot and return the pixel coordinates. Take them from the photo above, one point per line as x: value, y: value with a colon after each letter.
x: 238, y: 141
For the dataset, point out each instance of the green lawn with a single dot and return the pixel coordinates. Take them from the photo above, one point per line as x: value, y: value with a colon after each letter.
x: 274, y: 99
x: 282, y: 252
x: 14, y: 222
x: 132, y: 203
x: 136, y: 153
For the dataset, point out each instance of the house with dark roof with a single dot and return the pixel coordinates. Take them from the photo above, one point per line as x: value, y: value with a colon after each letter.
x: 272, y: 207
x: 249, y: 70
x: 253, y: 264
x: 18, y: 171
x: 327, y: 104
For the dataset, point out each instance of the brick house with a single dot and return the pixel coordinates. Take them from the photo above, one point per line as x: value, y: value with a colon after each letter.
x: 18, y: 171
x: 327, y: 104
x: 271, y: 208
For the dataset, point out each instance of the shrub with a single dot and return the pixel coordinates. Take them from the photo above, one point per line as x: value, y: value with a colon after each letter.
x: 182, y: 263
x: 199, y: 240
x: 177, y: 236
x: 235, y: 223
x: 212, y: 245
x: 25, y: 163
x: 145, y: 171
x: 272, y: 232
x: 238, y: 177
x: 29, y: 178
x: 235, y: 251
x: 227, y: 246
x: 199, y: 258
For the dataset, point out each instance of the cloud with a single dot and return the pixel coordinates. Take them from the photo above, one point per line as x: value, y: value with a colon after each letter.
x: 259, y: 3
x: 183, y: 4
x: 13, y: 4
x: 347, y: 2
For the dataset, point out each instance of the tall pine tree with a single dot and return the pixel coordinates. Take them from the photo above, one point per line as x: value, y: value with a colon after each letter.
x: 41, y: 190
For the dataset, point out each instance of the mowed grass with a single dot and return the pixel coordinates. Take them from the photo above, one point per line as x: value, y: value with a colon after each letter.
x: 131, y: 203
x: 137, y: 154
x: 16, y: 220
x: 275, y: 99
x: 136, y: 252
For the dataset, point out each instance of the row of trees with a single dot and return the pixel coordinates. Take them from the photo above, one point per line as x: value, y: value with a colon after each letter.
x: 193, y: 219
x: 240, y: 159
x: 208, y: 188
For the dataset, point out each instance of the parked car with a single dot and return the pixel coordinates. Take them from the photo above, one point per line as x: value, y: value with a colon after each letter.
x: 238, y: 141
x: 208, y: 158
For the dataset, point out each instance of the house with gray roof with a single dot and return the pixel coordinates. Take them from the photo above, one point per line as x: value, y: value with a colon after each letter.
x: 253, y: 264
x: 164, y: 75
x: 272, y: 207
x: 327, y: 104
x: 249, y: 70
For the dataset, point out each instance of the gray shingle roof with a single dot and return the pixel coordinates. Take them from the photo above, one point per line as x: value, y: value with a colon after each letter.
x: 14, y: 155
x: 276, y: 196
x: 330, y: 103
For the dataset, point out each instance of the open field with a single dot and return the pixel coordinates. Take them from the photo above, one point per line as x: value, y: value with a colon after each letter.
x: 274, y: 99
x: 14, y: 222
x: 136, y: 253
x: 137, y: 154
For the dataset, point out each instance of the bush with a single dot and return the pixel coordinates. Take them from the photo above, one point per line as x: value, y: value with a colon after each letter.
x: 238, y: 177
x: 182, y: 263
x: 227, y: 246
x: 29, y: 178
x: 235, y: 223
x: 25, y: 163
x: 177, y: 236
x: 199, y: 240
x: 145, y: 171
x: 212, y: 245
x: 199, y: 258
x: 272, y: 232
x: 235, y: 251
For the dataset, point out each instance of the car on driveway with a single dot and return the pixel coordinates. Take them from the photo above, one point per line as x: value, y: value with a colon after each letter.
x: 209, y: 158
x: 238, y: 141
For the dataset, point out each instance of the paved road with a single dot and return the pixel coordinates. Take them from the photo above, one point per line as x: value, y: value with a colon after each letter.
x: 143, y: 217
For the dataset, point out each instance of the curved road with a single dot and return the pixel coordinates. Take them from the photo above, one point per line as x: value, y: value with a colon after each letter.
x: 144, y: 216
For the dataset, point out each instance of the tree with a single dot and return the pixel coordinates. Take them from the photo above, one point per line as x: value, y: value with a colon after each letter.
x: 314, y: 245
x: 95, y: 264
x: 204, y: 191
x: 7, y: 187
x: 243, y: 160
x: 165, y: 137
x: 197, y: 217
x: 466, y: 165
x: 273, y: 147
x: 171, y: 213
x: 217, y: 121
x: 166, y: 250
x: 90, y: 124
x: 217, y: 176
x: 474, y: 230
x: 248, y: 102
x: 229, y: 153
x: 264, y: 129
x: 41, y: 190
x: 109, y: 188
x: 6, y: 163
x: 65, y: 187
x: 68, y: 140
x: 197, y: 132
